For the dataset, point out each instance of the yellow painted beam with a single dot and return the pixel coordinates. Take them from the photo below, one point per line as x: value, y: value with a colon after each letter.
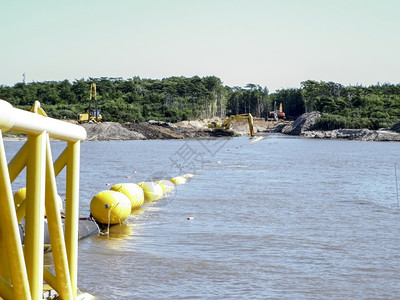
x: 4, y: 267
x: 34, y: 220
x: 24, y: 121
x: 12, y: 241
x: 72, y: 211
x: 51, y: 280
x: 21, y: 210
x: 18, y: 163
x: 6, y: 291
x: 24, y: 277
x: 61, y: 162
x: 56, y: 231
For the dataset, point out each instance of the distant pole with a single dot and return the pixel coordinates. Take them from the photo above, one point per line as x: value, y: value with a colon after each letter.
x: 397, y: 188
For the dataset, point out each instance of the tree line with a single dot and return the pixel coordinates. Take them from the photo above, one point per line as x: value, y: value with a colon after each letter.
x: 179, y: 98
x: 372, y: 107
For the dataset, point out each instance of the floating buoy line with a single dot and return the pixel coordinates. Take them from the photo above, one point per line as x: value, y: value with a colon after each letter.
x: 115, y: 205
x: 108, y: 207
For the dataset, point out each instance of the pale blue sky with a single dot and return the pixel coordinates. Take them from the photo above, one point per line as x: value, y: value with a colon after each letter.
x: 272, y: 43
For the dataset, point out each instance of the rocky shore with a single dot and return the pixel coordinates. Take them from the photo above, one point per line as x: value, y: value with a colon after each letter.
x: 382, y: 135
x: 109, y: 131
x: 304, y: 126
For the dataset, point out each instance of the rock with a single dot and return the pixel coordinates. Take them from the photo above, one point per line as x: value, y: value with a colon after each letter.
x: 160, y: 123
x: 316, y: 134
x: 396, y: 127
x: 355, y: 134
x: 382, y: 135
x: 278, y: 127
x: 303, y: 123
x: 351, y: 134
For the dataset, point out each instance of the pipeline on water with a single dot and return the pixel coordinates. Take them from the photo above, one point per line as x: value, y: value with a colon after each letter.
x: 115, y: 205
x: 110, y: 207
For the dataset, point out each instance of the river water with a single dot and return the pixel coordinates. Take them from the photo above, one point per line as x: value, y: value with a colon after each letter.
x: 279, y: 218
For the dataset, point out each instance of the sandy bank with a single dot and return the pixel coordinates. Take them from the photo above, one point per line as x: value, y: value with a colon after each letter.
x: 113, y: 131
x: 109, y: 131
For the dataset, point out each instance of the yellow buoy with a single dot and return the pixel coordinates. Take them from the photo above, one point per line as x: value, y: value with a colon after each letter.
x: 110, y: 207
x: 179, y: 180
x: 188, y: 175
x: 132, y: 191
x: 20, y: 197
x: 167, y: 186
x: 137, y: 211
x: 152, y: 190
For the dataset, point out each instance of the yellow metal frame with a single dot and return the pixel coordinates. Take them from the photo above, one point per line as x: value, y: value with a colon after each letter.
x: 21, y: 266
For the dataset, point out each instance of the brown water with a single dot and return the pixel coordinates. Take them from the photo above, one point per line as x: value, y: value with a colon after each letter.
x: 281, y: 218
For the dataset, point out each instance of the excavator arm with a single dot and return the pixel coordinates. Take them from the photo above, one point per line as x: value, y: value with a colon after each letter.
x: 227, y: 123
x: 92, y: 115
x: 251, y: 125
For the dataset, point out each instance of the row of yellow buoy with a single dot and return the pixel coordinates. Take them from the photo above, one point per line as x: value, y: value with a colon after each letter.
x: 115, y: 205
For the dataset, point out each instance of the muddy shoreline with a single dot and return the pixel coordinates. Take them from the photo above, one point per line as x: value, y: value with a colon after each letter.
x: 303, y: 126
x: 109, y: 131
x: 113, y: 131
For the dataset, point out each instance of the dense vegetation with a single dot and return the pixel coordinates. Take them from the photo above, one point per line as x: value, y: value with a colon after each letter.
x: 179, y: 98
x: 371, y: 107
x: 171, y: 99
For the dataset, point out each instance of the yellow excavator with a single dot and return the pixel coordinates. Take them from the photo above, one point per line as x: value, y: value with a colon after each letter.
x: 92, y: 115
x: 226, y: 125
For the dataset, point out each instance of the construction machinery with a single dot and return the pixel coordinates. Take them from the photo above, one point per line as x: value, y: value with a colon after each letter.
x: 226, y: 125
x: 277, y: 114
x: 91, y: 115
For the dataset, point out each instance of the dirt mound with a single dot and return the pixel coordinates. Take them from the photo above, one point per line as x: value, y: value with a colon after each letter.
x: 154, y: 130
x: 110, y: 131
x: 113, y: 131
x: 196, y: 125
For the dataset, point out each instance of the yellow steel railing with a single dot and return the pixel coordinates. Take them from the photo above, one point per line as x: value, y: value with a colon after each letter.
x: 21, y: 266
